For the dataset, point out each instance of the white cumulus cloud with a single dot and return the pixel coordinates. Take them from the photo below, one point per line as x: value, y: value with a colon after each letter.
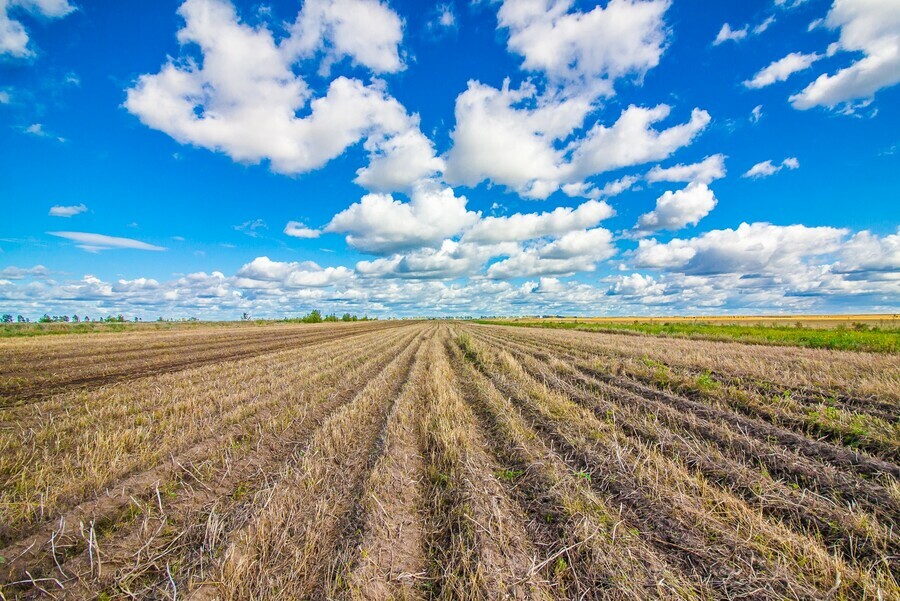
x: 520, y: 147
x: 527, y: 226
x: 296, y: 229
x: 366, y: 31
x: 637, y: 285
x: 749, y: 249
x: 19, y: 273
x: 675, y: 210
x: 574, y: 252
x: 67, y: 210
x: 511, y: 145
x: 291, y: 274
x: 397, y: 162
x: 866, y: 251
x: 14, y: 40
x: 870, y: 27
x: 729, y: 34
x: 708, y: 170
x: 246, y: 100
x: 381, y: 224
x: 781, y: 69
x: 632, y: 140
x: 453, y: 259
x: 609, y: 189
x: 767, y: 168
x: 756, y: 114
x: 726, y: 34
x: 588, y: 49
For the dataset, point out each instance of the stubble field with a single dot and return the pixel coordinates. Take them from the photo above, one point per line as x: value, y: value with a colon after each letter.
x: 444, y: 460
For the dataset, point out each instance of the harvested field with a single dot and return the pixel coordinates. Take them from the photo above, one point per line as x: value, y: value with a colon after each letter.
x: 444, y: 460
x: 38, y: 367
x: 873, y: 335
x: 884, y: 321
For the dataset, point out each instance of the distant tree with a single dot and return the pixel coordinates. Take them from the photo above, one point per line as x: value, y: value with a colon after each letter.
x: 7, y: 318
x: 20, y: 319
x: 45, y: 318
x: 314, y: 316
x: 346, y: 317
x: 76, y: 319
x: 160, y: 318
x: 245, y: 316
x: 86, y: 318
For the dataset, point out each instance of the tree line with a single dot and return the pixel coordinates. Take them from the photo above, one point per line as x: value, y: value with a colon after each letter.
x: 314, y: 316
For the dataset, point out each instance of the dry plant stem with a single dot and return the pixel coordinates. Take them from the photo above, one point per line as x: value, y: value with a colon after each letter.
x: 583, y: 347
x: 67, y: 363
x: 713, y: 424
x: 128, y: 492
x: 422, y: 460
x: 189, y: 530
x: 855, y: 375
x: 604, y: 557
x: 300, y: 517
x: 815, y: 450
x: 128, y: 428
x: 476, y: 544
x: 657, y: 487
x: 387, y: 561
x: 871, y: 426
x: 856, y: 536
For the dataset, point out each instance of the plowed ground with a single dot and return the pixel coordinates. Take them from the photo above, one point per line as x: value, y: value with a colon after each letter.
x: 413, y: 460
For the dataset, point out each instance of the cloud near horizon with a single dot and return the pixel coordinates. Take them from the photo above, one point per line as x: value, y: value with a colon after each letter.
x: 796, y: 267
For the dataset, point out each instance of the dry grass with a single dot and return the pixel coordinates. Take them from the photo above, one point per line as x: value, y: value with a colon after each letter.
x: 36, y: 368
x: 884, y: 320
x: 56, y: 452
x: 302, y: 516
x: 477, y: 548
x: 461, y: 461
x: 848, y: 374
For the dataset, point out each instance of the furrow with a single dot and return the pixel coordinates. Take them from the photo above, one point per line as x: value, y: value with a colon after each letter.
x: 719, y: 536
x: 210, y: 499
x: 68, y: 377
x: 96, y: 450
x: 138, y: 490
x: 858, y: 538
x: 837, y: 455
x: 294, y: 524
x: 589, y: 549
x: 387, y: 561
x: 845, y: 488
x: 475, y: 535
x: 769, y: 372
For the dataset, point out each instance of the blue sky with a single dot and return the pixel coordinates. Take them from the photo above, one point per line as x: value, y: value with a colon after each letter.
x: 207, y: 158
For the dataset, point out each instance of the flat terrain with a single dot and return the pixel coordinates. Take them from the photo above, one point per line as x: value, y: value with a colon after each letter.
x: 878, y: 320
x: 444, y: 460
x: 880, y: 334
